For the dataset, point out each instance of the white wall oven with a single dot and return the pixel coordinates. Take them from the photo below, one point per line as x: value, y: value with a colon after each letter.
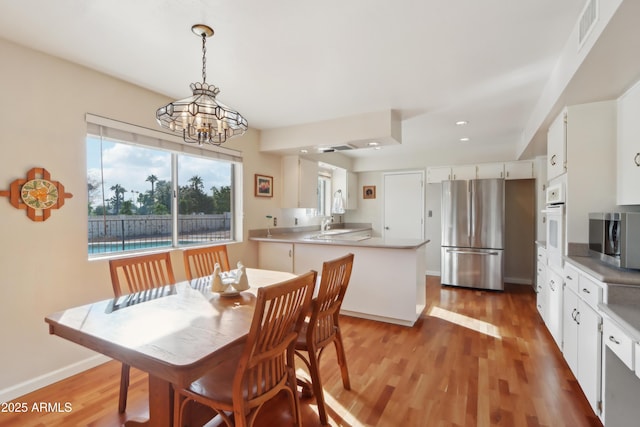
x: 554, y: 212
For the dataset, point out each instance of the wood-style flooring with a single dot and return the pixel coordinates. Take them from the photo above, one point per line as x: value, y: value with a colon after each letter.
x: 474, y: 358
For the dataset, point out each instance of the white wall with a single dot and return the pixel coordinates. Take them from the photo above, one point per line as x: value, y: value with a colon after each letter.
x: 44, y: 265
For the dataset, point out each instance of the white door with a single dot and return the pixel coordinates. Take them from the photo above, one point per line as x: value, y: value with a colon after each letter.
x: 404, y: 205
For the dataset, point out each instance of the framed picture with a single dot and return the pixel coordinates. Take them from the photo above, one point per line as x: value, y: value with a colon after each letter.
x: 369, y: 192
x: 263, y: 186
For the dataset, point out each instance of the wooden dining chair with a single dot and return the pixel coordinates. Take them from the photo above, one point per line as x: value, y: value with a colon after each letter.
x: 323, y: 328
x: 257, y: 369
x: 136, y: 274
x: 200, y: 262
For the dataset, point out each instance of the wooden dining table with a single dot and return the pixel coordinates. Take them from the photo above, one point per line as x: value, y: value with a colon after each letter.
x: 175, y: 333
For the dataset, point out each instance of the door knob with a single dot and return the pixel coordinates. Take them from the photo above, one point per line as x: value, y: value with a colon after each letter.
x: 386, y: 228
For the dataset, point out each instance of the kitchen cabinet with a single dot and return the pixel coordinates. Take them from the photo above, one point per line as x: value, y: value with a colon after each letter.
x: 628, y: 147
x: 582, y: 336
x: 541, y: 280
x: 347, y: 183
x: 556, y: 146
x: 436, y: 175
x: 490, y: 170
x: 299, y: 183
x: 277, y: 256
x: 554, y: 305
x: 519, y: 170
x: 463, y: 172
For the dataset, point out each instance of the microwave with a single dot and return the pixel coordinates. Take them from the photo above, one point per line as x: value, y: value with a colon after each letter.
x: 614, y: 237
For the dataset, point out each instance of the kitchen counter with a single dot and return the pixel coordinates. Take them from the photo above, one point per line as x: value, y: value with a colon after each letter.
x: 622, y: 293
x: 312, y: 237
x: 388, y: 277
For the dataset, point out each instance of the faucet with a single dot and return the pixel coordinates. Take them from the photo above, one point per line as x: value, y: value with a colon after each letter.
x: 325, y: 224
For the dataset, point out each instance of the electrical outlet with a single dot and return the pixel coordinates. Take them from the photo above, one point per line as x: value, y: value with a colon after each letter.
x: 275, y: 221
x: 295, y: 221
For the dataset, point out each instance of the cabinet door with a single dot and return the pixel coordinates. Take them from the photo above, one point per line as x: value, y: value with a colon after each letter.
x: 438, y: 174
x: 275, y: 256
x: 463, y: 172
x: 570, y: 329
x: 628, y: 147
x: 541, y: 289
x: 589, y: 351
x: 554, y: 323
x: 518, y: 170
x: 308, y: 181
x: 556, y: 146
x: 490, y: 170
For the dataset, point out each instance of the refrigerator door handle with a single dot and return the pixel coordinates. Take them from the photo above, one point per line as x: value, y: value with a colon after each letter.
x: 455, y: 251
x: 469, y: 212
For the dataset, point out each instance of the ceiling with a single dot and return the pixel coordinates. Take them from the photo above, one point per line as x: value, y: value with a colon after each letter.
x: 290, y: 62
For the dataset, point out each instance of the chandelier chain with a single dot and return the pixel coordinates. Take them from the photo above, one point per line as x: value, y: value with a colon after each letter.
x: 204, y: 58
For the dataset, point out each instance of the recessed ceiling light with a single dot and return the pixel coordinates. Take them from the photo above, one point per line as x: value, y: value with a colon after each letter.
x: 465, y: 139
x: 373, y: 144
x: 304, y: 150
x: 462, y: 122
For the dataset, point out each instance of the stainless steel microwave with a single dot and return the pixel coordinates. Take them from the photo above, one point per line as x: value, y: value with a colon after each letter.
x: 614, y: 237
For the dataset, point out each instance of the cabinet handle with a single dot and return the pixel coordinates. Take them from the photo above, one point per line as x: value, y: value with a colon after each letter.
x: 573, y: 314
x: 569, y: 277
x: 553, y: 160
x: 613, y: 339
x: 290, y: 253
x: 636, y: 159
x: 586, y: 291
x: 578, y: 317
x: 551, y: 283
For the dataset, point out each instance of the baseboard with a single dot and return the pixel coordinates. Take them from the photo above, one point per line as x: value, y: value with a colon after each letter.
x: 36, y: 383
x: 433, y: 273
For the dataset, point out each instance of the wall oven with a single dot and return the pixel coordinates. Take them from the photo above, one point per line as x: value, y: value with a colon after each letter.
x: 555, y: 217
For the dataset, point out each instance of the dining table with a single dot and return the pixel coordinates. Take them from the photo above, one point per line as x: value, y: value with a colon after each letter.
x: 174, y: 333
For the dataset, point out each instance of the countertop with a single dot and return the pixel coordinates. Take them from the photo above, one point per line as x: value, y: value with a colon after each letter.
x: 623, y: 299
x: 307, y: 237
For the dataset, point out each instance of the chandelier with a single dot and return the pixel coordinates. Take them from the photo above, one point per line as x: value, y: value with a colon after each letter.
x: 201, y: 118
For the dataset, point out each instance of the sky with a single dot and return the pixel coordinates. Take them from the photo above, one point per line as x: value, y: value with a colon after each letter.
x: 130, y: 165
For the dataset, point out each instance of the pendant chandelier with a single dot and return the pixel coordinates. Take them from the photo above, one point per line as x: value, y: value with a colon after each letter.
x: 201, y: 118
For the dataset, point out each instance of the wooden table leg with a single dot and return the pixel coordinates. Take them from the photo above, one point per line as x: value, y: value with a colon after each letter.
x: 160, y: 405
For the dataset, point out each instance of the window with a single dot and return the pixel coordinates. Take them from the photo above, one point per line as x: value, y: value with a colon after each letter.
x: 146, y: 193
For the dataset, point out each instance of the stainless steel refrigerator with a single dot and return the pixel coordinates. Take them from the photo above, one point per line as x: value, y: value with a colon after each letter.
x: 473, y: 233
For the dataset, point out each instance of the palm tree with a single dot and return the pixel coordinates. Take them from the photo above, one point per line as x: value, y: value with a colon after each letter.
x: 152, y: 179
x: 119, y: 190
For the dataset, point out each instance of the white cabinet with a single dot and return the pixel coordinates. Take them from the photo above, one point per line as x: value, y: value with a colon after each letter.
x: 490, y: 170
x: 436, y: 175
x: 556, y: 146
x: 277, y: 256
x: 519, y: 170
x: 628, y: 147
x: 554, y: 307
x: 541, y: 282
x: 347, y: 183
x: 299, y: 183
x: 463, y: 172
x: 582, y: 336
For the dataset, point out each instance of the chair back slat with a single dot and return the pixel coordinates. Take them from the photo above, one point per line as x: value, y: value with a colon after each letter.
x: 140, y: 273
x: 279, y: 313
x: 323, y: 321
x: 200, y: 262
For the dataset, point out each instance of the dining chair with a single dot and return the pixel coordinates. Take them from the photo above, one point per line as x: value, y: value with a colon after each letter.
x: 135, y: 274
x: 322, y: 327
x: 200, y: 262
x: 255, y: 370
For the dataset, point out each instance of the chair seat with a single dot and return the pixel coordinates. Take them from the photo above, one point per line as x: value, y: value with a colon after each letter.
x: 216, y: 384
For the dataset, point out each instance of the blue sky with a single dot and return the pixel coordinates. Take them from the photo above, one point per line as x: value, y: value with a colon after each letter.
x: 130, y: 165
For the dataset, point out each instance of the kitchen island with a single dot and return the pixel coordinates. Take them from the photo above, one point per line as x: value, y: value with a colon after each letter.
x: 388, y: 278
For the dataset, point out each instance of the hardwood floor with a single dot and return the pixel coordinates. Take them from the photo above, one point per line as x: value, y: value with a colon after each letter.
x: 474, y: 358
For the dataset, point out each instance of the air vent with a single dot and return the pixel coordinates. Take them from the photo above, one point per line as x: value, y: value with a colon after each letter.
x: 342, y: 147
x: 588, y: 20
